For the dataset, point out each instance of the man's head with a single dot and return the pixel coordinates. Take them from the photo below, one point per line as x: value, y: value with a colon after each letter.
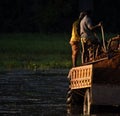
x: 82, y: 14
x: 85, y: 12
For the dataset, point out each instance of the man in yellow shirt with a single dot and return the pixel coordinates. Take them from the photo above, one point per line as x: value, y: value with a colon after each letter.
x: 75, y: 42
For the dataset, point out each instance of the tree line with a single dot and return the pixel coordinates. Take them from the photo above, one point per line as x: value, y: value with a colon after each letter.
x: 53, y: 15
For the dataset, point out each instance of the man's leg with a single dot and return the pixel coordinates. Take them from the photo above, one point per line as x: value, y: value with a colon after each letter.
x: 75, y: 52
x: 83, y: 53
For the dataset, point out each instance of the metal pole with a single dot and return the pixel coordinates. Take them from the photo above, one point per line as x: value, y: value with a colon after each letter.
x: 103, y: 39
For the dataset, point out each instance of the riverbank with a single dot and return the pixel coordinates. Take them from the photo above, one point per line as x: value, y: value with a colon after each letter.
x: 34, y: 51
x: 37, y: 72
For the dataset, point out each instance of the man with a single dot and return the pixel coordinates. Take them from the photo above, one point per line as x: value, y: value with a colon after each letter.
x: 88, y: 37
x: 75, y: 42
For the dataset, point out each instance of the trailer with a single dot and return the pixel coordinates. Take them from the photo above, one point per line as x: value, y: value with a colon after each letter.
x: 97, y: 82
x: 94, y: 87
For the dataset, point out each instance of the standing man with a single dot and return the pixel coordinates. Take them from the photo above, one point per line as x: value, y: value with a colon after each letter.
x: 75, y: 42
x: 88, y: 37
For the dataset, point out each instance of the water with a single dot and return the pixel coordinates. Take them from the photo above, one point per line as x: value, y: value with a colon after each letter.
x: 31, y: 94
x: 24, y: 94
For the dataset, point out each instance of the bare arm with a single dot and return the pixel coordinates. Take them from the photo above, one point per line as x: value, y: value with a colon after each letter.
x: 96, y: 26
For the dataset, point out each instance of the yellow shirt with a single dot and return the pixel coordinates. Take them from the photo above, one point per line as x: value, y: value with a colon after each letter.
x: 74, y: 37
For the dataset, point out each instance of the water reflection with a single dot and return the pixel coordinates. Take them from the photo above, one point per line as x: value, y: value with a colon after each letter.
x: 76, y: 110
x: 32, y: 94
x: 24, y: 94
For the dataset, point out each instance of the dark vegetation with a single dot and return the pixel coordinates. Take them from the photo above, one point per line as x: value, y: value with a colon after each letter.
x: 54, y: 15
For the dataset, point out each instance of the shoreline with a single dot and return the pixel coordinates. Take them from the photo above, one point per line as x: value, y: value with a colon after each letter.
x: 36, y: 72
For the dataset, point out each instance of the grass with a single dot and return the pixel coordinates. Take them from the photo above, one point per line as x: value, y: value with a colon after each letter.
x: 35, y: 51
x: 31, y: 51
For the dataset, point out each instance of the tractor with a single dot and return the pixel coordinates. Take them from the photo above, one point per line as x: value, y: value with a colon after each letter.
x: 96, y: 83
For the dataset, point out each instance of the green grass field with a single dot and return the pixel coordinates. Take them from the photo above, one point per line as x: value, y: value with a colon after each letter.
x: 35, y: 51
x: 29, y: 51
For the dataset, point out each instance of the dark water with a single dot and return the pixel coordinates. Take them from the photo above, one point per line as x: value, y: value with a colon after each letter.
x: 30, y: 94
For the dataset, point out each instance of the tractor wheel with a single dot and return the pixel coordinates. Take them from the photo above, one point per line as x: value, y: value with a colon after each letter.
x: 69, y: 97
x: 86, y: 104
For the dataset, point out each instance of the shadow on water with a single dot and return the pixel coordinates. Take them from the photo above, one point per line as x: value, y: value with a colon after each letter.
x: 31, y: 94
x: 76, y: 110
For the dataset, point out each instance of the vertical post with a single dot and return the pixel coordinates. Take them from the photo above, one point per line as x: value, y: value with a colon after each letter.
x: 103, y: 38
